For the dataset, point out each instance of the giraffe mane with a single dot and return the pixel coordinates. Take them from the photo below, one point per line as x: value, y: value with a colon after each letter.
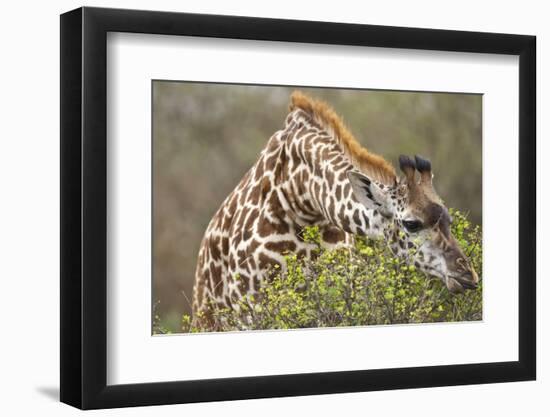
x: 369, y: 163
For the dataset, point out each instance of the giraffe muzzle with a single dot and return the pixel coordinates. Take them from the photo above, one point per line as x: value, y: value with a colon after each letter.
x: 466, y: 281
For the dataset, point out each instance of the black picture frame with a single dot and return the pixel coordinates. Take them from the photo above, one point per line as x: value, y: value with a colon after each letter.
x: 84, y: 207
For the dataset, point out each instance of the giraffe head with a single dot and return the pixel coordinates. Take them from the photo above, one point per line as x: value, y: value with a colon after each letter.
x: 417, y: 222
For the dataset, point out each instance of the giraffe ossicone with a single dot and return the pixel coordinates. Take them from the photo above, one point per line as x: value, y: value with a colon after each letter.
x: 314, y: 172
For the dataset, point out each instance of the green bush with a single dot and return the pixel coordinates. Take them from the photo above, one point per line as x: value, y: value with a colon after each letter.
x: 364, y: 285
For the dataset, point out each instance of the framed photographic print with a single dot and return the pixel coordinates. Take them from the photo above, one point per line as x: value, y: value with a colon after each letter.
x: 257, y: 207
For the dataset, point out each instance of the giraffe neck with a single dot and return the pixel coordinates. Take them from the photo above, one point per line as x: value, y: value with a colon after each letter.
x: 314, y: 188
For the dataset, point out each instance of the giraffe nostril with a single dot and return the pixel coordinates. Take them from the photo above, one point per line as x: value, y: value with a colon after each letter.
x: 461, y: 265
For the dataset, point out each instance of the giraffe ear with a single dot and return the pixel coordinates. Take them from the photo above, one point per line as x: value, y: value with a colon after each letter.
x: 370, y: 193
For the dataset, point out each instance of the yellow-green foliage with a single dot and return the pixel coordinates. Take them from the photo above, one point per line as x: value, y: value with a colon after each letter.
x: 364, y: 285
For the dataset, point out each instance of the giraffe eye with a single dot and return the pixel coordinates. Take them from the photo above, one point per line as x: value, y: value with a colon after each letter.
x: 412, y: 225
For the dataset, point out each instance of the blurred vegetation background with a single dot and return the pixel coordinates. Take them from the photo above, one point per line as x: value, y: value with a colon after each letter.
x: 206, y: 136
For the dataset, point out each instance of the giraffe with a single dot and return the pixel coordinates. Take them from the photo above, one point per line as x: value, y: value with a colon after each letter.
x: 314, y: 172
